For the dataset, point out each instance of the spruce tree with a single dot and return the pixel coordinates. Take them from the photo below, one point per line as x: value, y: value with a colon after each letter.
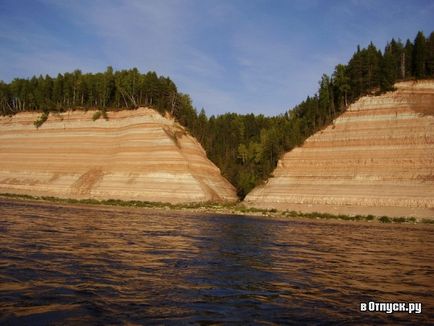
x: 419, y: 55
x: 388, y: 70
x: 408, y: 57
x: 430, y: 55
x: 342, y: 82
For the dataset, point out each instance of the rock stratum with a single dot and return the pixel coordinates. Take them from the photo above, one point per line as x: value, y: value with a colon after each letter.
x: 376, y: 158
x: 135, y: 155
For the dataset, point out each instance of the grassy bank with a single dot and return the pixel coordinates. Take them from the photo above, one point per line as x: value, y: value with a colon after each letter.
x: 220, y: 208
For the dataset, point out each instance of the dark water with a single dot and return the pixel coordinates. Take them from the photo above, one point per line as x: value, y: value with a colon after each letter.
x: 78, y: 265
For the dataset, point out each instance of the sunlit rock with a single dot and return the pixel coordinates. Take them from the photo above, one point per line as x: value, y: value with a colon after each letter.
x: 376, y: 158
x: 134, y: 155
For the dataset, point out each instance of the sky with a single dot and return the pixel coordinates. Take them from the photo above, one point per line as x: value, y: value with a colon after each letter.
x: 250, y: 56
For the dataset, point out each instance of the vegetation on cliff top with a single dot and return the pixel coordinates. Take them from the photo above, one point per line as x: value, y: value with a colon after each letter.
x: 245, y: 147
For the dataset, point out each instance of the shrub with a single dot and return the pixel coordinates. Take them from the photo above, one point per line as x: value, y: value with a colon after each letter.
x: 369, y: 217
x: 399, y: 220
x: 40, y: 121
x: 384, y: 219
x: 96, y: 115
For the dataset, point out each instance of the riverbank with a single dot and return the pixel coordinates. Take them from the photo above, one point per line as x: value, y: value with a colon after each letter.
x: 216, y: 208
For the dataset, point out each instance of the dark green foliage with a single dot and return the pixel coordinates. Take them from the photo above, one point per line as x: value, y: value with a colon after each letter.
x: 419, y: 56
x: 246, y: 148
x: 96, y: 115
x: 408, y: 58
x: 100, y: 113
x: 341, y: 84
x: 385, y: 219
x: 107, y: 90
x: 430, y: 55
x: 399, y: 219
x: 40, y: 121
x: 388, y: 69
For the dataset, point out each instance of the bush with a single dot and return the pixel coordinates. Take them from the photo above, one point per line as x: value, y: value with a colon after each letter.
x: 40, y: 121
x: 384, y: 219
x: 96, y: 115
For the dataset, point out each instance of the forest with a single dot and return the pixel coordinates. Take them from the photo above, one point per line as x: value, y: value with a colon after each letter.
x: 247, y: 147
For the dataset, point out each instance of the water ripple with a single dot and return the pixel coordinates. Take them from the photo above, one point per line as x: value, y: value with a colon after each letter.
x: 86, y: 265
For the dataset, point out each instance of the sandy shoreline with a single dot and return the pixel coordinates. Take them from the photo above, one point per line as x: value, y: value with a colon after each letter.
x: 215, y: 209
x: 416, y: 212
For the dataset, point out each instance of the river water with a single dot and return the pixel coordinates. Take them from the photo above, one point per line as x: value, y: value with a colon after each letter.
x: 98, y: 265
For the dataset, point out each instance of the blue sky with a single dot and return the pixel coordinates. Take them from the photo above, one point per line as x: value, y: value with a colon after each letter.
x: 230, y: 56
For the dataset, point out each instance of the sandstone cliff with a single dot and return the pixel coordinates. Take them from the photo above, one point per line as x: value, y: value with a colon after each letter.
x: 376, y: 158
x: 135, y: 155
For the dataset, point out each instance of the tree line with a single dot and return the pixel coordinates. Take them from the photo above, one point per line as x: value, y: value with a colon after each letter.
x: 246, y: 147
x: 107, y: 90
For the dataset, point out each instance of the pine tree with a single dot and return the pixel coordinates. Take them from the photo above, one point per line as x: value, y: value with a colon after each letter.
x: 419, y: 54
x: 388, y: 70
x: 372, y: 68
x: 408, y: 55
x: 342, y: 83
x: 325, y: 100
x: 396, y: 49
x: 430, y: 56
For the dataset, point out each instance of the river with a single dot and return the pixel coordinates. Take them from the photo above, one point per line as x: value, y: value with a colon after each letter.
x: 70, y: 265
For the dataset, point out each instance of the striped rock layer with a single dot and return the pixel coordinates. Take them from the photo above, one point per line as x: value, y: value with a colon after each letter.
x: 376, y: 158
x: 135, y: 155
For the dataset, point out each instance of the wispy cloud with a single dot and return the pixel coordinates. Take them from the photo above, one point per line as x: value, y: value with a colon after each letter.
x: 243, y: 56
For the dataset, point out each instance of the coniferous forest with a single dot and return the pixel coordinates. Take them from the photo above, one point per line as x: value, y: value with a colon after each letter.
x: 245, y: 147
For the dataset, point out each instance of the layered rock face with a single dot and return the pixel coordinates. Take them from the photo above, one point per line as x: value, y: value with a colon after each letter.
x: 135, y: 155
x: 376, y: 158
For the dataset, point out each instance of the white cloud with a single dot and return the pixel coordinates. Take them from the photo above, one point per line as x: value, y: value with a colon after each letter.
x: 228, y: 55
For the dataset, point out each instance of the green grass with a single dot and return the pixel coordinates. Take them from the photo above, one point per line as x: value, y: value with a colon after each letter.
x: 231, y: 208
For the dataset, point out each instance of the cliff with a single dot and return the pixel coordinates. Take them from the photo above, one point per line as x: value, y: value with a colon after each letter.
x: 376, y: 158
x: 135, y: 155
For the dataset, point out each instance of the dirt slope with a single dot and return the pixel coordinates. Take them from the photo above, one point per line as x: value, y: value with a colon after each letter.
x: 376, y: 158
x: 135, y: 155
